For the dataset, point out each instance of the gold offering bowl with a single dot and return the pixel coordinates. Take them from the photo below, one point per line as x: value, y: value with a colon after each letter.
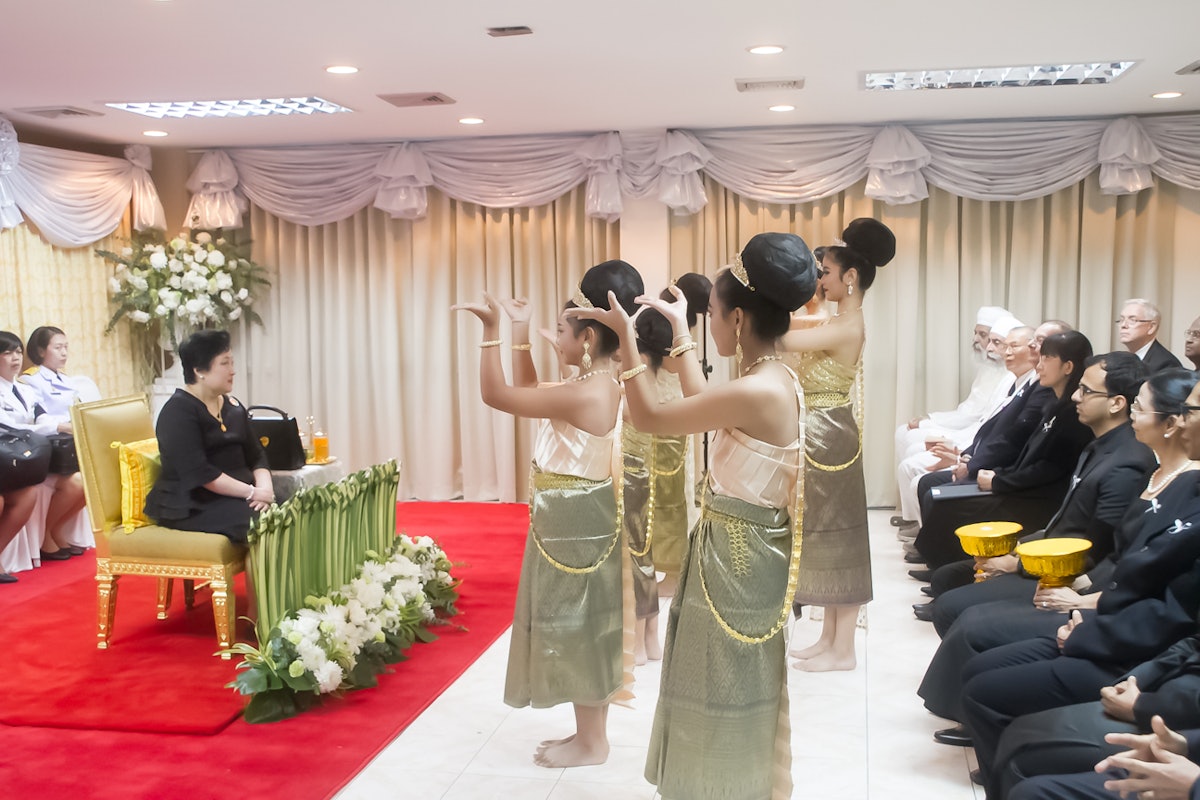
x: 1056, y: 562
x: 988, y: 540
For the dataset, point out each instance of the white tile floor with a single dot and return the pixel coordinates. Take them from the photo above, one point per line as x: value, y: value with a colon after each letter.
x: 855, y: 735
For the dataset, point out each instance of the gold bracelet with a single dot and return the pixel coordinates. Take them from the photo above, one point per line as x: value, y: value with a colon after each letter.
x: 683, y: 348
x: 526, y: 346
x: 633, y: 373
x: 492, y: 343
x: 681, y: 336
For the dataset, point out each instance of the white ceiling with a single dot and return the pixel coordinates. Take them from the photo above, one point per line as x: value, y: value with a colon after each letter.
x: 604, y: 65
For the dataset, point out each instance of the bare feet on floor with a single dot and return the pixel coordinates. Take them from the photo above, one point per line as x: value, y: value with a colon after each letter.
x: 653, y: 649
x: 571, y: 753
x: 552, y: 742
x: 809, y: 652
x: 827, y: 662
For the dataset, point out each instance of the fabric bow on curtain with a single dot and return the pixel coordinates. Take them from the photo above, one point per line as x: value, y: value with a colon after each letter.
x: 681, y: 157
x: 10, y: 153
x: 1126, y: 154
x: 404, y: 175
x: 215, y: 200
x: 895, y: 163
x: 147, y: 206
x: 602, y: 158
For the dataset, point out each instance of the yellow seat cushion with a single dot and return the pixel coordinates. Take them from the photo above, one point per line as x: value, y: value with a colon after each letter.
x: 158, y: 543
x: 140, y: 465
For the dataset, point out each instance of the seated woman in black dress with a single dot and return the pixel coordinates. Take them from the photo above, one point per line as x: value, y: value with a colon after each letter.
x: 214, y: 472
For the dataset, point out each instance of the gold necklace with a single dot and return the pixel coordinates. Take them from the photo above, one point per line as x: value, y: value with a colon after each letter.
x: 587, y: 375
x: 849, y: 311
x: 759, y: 360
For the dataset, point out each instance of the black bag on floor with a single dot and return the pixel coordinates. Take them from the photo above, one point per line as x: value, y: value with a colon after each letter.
x: 24, y: 458
x: 279, y: 436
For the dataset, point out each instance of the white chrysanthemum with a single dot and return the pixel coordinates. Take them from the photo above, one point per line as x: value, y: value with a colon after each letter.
x: 224, y: 279
x: 199, y: 255
x: 139, y: 316
x: 175, y: 265
x: 196, y: 305
x: 216, y: 259
x: 227, y: 298
x: 158, y: 260
x: 161, y: 311
x: 114, y: 285
x: 178, y: 243
x: 175, y: 282
x: 203, y: 237
x: 243, y: 294
x: 158, y: 248
x: 329, y: 676
x: 138, y: 282
x: 235, y: 314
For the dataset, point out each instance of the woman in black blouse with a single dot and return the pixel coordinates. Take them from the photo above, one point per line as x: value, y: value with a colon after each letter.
x: 214, y: 473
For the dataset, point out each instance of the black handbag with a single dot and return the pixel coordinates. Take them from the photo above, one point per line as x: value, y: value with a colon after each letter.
x: 24, y: 458
x: 279, y: 436
x: 63, y: 458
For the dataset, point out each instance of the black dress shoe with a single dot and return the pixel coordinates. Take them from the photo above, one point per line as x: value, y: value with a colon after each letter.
x: 923, y: 612
x: 914, y: 558
x: 75, y: 551
x: 57, y: 555
x: 927, y: 591
x: 6, y: 578
x: 956, y: 736
x: 977, y: 777
x: 925, y: 575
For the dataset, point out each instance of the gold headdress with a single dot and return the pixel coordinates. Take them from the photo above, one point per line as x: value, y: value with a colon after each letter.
x: 739, y: 271
x: 580, y: 299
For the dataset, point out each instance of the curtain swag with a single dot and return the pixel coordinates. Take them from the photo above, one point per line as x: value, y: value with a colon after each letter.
x: 76, y: 199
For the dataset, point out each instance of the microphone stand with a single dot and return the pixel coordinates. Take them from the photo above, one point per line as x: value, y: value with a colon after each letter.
x: 706, y: 369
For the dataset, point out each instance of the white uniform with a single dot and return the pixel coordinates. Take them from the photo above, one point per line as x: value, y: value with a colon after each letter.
x: 59, y: 392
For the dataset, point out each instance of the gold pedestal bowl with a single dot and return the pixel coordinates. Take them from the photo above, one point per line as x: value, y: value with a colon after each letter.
x: 1056, y: 562
x: 987, y: 540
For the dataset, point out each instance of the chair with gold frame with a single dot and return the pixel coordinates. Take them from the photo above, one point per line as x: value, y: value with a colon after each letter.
x: 150, y: 550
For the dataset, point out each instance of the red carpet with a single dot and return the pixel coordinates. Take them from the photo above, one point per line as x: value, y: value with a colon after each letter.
x: 310, y: 756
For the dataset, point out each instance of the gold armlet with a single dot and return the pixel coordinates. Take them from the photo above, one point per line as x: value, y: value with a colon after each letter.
x: 633, y: 373
x: 492, y: 343
x: 526, y: 346
x: 681, y: 349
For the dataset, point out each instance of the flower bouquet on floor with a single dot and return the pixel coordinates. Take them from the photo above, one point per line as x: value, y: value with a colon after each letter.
x: 344, y: 640
x: 185, y: 283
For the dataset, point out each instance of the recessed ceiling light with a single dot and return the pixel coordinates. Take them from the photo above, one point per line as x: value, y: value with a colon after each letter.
x: 992, y: 77
x: 232, y: 108
x: 782, y: 107
x: 1167, y: 95
x: 341, y: 69
x: 766, y: 49
x: 471, y: 121
x: 154, y: 133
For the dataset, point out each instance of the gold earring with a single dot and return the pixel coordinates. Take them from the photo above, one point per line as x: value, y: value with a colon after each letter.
x: 738, y: 350
x: 586, y: 361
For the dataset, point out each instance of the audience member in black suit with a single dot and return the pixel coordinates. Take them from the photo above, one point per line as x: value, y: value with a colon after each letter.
x: 1150, y: 603
x: 985, y: 626
x: 1111, y: 471
x: 1031, y: 489
x: 1137, y: 327
x: 1160, y: 765
x: 1191, y: 343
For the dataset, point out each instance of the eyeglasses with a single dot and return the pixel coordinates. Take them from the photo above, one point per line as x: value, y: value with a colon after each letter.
x: 1136, y: 408
x: 1188, y: 410
x: 1086, y: 391
x: 1191, y: 335
x: 1129, y: 322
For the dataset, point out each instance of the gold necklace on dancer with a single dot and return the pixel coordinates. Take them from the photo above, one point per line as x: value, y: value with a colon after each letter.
x: 761, y: 359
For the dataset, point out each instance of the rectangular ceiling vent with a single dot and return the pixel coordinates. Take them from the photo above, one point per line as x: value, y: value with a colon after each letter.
x: 416, y: 99
x: 769, y: 84
x: 510, y: 30
x: 1191, y: 69
x: 60, y: 112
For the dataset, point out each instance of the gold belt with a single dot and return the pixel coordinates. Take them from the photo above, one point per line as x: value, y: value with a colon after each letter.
x: 826, y: 399
x: 553, y: 480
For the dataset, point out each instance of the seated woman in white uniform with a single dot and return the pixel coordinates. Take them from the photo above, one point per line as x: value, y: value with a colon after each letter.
x: 16, y: 504
x: 569, y: 623
x: 721, y: 726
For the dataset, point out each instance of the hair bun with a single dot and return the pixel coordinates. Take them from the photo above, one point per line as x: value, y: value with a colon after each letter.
x: 871, y: 239
x: 616, y: 276
x: 781, y: 268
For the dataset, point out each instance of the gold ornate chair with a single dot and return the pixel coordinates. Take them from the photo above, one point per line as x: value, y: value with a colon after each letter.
x: 150, y: 550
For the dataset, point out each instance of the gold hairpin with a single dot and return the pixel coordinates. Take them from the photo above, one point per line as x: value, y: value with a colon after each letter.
x: 580, y: 300
x: 739, y: 271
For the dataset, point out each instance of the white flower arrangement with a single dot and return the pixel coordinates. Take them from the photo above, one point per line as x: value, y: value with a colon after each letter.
x: 343, y: 640
x: 183, y: 284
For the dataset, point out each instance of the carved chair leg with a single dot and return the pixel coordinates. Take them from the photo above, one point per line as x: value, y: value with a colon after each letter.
x: 106, y: 608
x: 224, y: 613
x: 165, y: 587
x: 189, y: 594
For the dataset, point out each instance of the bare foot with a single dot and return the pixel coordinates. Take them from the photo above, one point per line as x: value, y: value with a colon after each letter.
x: 639, y: 655
x: 547, y: 743
x: 574, y: 753
x: 809, y: 652
x: 827, y: 662
x: 653, y: 649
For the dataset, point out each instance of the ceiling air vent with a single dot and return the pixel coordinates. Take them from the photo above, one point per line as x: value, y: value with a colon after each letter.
x: 1191, y: 69
x: 768, y: 84
x: 60, y: 112
x: 511, y: 30
x: 414, y: 99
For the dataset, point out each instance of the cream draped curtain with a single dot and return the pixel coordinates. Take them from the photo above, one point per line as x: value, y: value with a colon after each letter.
x: 1074, y: 254
x: 359, y: 332
x: 68, y: 288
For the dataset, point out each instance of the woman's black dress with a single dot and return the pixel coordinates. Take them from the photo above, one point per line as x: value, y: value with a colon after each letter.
x: 195, y: 451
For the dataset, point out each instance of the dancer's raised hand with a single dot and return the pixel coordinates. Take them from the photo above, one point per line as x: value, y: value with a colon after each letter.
x: 488, y: 311
x: 517, y: 308
x: 612, y: 317
x: 674, y: 310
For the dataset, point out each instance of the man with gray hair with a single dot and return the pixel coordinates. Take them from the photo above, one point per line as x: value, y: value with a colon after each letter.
x: 1137, y: 327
